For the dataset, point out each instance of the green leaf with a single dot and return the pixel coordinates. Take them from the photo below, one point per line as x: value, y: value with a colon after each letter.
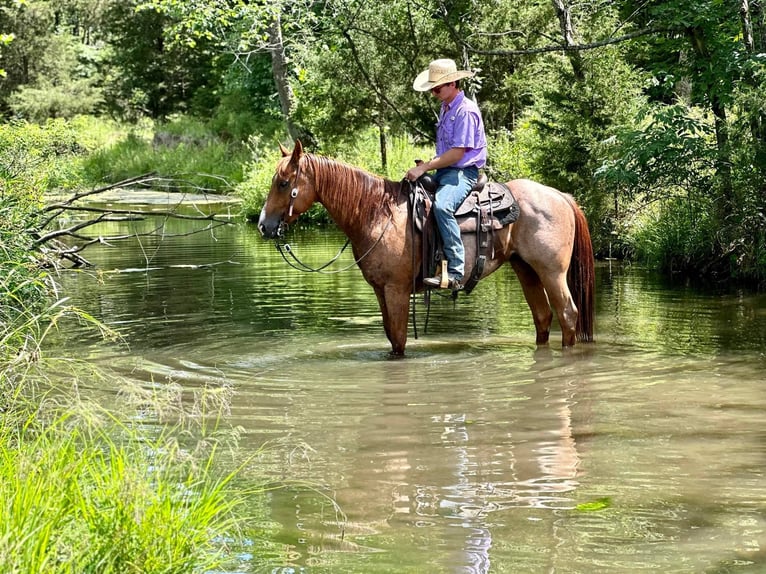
x: 595, y: 505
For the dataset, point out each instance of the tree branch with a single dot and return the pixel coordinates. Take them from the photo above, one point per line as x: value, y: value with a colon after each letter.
x: 48, y: 241
x: 570, y: 47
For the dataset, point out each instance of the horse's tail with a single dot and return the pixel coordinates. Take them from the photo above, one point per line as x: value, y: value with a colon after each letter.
x: 581, y: 275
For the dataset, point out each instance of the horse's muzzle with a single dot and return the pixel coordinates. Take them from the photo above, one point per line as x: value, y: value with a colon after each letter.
x: 270, y: 226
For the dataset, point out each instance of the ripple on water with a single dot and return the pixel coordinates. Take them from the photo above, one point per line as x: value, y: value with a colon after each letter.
x: 641, y: 452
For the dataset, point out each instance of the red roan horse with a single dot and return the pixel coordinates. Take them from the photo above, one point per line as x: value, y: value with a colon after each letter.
x: 549, y: 245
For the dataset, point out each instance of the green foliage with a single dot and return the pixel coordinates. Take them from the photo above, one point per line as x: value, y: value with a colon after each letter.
x: 563, y: 133
x: 35, y: 156
x: 509, y: 153
x: 574, y: 120
x: 65, y: 90
x: 246, y: 105
x: 149, y: 74
x: 658, y: 173
x: 183, y: 149
x: 673, y: 150
x: 76, y: 499
x: 77, y: 495
x: 24, y: 290
x: 258, y: 174
x: 676, y: 235
x: 708, y: 34
x: 31, y: 159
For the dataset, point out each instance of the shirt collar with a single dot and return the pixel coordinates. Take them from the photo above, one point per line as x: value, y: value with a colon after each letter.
x: 455, y: 102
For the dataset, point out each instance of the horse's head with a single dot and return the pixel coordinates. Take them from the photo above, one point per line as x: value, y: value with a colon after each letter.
x: 290, y: 195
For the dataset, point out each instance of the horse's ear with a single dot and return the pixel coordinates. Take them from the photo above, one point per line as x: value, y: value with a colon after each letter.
x: 297, y: 152
x: 284, y: 150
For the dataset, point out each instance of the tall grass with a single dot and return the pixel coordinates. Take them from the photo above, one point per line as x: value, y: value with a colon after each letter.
x: 674, y: 236
x: 74, y: 502
x: 184, y: 150
x: 79, y: 495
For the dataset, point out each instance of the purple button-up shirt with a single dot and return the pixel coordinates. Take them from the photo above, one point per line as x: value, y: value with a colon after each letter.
x: 461, y: 125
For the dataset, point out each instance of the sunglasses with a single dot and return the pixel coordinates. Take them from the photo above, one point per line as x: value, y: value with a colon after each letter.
x: 437, y: 89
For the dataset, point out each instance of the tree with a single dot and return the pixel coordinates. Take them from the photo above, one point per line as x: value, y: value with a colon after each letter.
x: 702, y: 59
x: 240, y: 29
x: 151, y: 72
x: 52, y: 64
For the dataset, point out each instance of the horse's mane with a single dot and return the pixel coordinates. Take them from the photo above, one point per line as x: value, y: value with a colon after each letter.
x: 357, y: 193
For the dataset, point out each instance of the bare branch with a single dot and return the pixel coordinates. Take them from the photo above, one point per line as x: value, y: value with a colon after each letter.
x: 124, y: 183
x: 82, y: 225
x: 138, y: 212
x: 48, y: 241
x: 570, y: 47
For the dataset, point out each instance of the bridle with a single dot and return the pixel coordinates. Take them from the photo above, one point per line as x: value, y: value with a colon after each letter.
x: 294, y: 190
x: 285, y: 249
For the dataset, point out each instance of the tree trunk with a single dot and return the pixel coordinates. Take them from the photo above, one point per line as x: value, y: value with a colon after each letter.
x: 747, y: 26
x: 383, y: 147
x: 758, y: 118
x: 568, y: 33
x: 758, y: 22
x: 725, y: 201
x: 285, y: 92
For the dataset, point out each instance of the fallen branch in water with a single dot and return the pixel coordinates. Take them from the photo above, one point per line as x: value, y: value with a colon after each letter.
x: 67, y: 243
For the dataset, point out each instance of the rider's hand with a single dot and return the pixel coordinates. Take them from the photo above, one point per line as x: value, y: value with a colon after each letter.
x: 415, y: 172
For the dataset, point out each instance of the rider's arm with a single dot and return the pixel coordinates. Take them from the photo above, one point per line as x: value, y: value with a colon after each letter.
x: 448, y: 158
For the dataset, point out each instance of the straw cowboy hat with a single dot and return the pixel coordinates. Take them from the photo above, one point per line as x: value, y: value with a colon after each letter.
x: 439, y: 72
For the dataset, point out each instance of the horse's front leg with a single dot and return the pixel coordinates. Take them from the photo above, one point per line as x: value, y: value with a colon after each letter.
x: 394, y: 306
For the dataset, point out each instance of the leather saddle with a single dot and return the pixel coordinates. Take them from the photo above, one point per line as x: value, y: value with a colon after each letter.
x: 489, y: 206
x: 494, y: 199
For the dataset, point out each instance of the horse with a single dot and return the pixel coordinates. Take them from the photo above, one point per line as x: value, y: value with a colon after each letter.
x: 548, y: 246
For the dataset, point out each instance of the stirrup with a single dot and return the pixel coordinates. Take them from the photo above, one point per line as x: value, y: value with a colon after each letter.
x: 438, y: 283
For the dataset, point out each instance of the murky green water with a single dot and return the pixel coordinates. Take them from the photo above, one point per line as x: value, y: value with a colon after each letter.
x: 479, y: 452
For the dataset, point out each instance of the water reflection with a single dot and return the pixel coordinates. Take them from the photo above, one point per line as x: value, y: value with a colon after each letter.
x: 446, y: 459
x: 479, y: 453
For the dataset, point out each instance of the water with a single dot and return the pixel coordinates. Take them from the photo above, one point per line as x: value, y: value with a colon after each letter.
x: 479, y: 452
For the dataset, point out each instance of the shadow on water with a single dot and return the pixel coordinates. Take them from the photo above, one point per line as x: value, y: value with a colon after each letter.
x: 478, y: 452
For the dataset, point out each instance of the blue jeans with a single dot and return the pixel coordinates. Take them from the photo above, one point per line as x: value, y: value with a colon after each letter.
x: 454, y: 185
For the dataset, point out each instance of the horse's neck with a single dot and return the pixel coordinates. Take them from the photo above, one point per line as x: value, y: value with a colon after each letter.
x: 353, y: 197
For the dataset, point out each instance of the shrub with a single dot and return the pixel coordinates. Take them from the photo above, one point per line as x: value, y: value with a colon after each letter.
x: 187, y: 152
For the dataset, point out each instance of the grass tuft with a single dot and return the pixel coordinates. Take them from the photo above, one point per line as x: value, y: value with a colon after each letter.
x: 73, y: 502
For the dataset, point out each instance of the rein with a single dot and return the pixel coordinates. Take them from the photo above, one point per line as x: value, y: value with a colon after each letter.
x: 285, y: 249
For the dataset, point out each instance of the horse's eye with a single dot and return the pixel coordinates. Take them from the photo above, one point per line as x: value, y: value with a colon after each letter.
x: 284, y: 184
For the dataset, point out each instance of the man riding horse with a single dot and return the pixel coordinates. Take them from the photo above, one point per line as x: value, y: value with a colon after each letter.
x: 461, y: 150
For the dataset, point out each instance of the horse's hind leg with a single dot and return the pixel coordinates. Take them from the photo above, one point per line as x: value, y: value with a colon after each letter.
x: 534, y: 292
x: 566, y: 311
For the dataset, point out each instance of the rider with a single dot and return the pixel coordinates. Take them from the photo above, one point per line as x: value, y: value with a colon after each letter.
x: 461, y: 149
